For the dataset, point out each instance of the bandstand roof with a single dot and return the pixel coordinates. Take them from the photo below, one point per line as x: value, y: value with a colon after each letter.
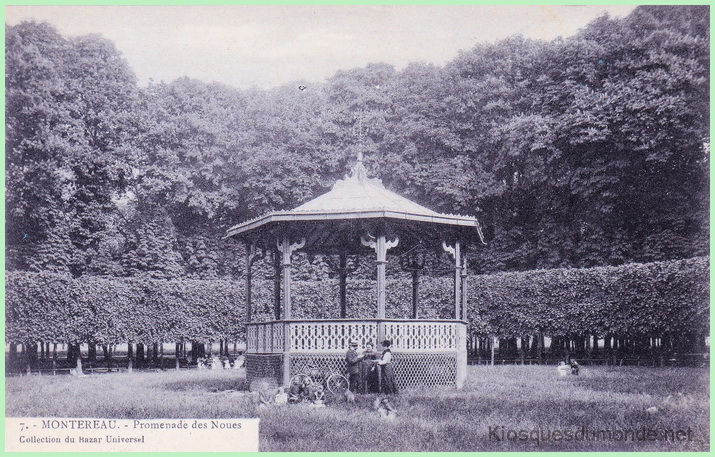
x: 356, y: 197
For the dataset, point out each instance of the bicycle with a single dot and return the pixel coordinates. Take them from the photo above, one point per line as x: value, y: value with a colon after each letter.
x: 335, y: 382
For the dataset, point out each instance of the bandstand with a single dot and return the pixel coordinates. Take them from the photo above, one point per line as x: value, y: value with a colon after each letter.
x: 357, y: 216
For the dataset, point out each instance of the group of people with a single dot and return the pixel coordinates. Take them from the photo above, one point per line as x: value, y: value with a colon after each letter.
x: 370, y: 372
x: 218, y: 363
x: 306, y: 391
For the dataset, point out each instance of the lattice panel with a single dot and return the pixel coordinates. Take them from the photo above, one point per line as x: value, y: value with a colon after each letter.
x: 424, y: 370
x: 318, y: 366
x: 411, y: 370
x: 264, y: 366
x: 330, y: 336
x: 420, y: 336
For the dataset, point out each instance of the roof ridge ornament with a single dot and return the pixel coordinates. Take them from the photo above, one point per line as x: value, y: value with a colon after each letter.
x: 359, y: 171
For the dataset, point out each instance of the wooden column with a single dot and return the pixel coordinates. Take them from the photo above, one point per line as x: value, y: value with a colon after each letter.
x: 251, y: 257
x: 381, y: 250
x: 414, y: 264
x: 252, y: 254
x: 343, y: 270
x: 381, y: 245
x: 457, y: 281
x: 461, y: 354
x: 286, y: 248
x: 464, y: 289
x: 415, y: 291
x: 276, y: 284
x: 455, y: 252
x: 343, y: 275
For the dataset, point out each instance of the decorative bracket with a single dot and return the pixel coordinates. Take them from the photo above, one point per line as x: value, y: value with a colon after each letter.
x: 389, y: 244
x: 287, y: 248
x: 368, y: 241
x: 381, y: 245
x: 449, y: 249
x: 254, y: 252
x: 455, y: 253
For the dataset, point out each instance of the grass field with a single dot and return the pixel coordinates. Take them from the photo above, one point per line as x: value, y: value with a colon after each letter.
x: 524, y: 407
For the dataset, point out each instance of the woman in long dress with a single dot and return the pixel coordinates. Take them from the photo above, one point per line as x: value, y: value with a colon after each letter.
x: 368, y: 371
x: 388, y: 384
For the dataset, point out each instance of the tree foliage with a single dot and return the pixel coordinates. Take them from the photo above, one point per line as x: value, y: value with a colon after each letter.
x: 584, y: 151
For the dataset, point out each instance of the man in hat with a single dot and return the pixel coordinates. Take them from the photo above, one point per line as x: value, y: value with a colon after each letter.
x: 352, y: 360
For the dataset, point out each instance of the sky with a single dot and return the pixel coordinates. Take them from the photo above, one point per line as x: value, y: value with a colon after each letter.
x: 268, y: 46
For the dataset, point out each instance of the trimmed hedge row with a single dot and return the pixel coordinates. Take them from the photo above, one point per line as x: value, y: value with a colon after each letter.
x: 58, y: 308
x: 655, y: 299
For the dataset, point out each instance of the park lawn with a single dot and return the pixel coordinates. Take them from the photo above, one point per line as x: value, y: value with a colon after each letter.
x: 501, y: 399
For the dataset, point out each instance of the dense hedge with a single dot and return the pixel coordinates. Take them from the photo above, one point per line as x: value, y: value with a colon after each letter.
x: 655, y: 299
x: 58, y: 308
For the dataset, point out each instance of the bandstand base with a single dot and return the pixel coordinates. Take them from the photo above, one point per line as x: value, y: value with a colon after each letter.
x: 425, y: 353
x: 411, y: 370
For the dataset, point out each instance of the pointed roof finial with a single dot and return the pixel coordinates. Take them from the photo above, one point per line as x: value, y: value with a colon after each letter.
x: 360, y: 132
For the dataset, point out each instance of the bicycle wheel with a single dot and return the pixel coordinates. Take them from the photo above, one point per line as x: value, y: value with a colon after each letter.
x: 337, y: 384
x: 301, y: 380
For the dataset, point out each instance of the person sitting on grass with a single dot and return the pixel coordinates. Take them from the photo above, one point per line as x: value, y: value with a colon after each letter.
x: 298, y: 391
x: 265, y: 398
x: 316, y: 395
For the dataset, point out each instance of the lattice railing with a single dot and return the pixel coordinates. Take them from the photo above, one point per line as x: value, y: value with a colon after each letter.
x: 265, y: 337
x: 421, y: 336
x: 333, y: 336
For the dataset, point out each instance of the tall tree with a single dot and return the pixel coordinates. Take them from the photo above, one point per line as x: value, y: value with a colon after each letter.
x: 69, y: 103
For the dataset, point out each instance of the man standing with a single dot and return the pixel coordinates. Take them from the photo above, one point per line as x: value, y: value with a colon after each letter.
x: 352, y: 359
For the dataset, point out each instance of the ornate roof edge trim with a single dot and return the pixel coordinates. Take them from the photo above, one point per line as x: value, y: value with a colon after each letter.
x: 462, y: 221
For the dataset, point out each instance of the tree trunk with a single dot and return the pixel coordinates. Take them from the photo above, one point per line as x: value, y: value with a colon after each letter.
x: 177, y: 355
x: 539, y: 347
x: 194, y: 351
x: 161, y: 355
x: 12, y: 362
x: 492, y: 347
x: 140, y: 355
x: 92, y: 353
